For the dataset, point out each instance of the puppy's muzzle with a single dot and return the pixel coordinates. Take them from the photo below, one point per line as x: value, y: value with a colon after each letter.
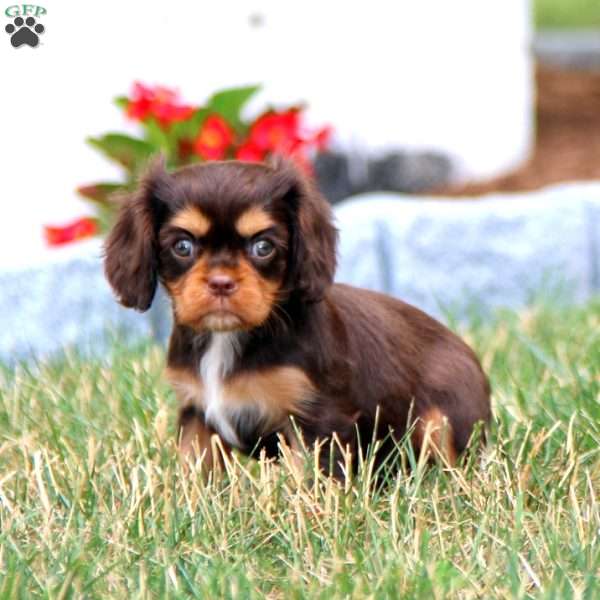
x: 221, y: 286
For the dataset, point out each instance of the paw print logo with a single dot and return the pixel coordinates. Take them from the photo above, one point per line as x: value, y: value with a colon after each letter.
x: 24, y: 32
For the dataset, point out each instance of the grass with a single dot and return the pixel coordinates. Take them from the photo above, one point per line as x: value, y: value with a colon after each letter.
x: 94, y: 504
x: 569, y: 14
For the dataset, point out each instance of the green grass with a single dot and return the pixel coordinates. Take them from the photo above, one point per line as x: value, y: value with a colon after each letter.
x: 94, y: 503
x: 569, y: 14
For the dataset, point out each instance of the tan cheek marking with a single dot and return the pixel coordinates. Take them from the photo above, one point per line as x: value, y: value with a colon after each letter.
x: 433, y: 429
x: 276, y: 392
x: 187, y: 386
x: 191, y: 219
x: 252, y: 221
x: 256, y: 295
x: 189, y: 293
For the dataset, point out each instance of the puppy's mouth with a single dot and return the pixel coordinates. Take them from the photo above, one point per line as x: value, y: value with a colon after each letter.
x: 222, y: 318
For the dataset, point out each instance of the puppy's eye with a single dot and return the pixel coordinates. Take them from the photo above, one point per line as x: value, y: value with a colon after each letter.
x: 262, y: 249
x: 183, y: 248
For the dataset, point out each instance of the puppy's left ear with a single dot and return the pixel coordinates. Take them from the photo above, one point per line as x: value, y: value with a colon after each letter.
x: 314, y: 237
x: 131, y: 249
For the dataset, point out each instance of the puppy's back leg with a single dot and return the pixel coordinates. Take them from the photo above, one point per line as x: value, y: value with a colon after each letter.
x: 434, y: 436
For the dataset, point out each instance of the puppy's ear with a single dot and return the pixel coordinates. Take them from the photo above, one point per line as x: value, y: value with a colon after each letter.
x: 314, y: 237
x: 131, y: 249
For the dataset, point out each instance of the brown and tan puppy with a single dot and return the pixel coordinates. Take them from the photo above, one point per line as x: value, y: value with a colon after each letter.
x: 247, y: 254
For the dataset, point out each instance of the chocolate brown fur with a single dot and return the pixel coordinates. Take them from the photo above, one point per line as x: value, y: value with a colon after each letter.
x: 353, y: 357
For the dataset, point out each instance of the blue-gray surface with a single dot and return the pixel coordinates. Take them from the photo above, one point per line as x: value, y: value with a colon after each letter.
x: 498, y: 251
x: 435, y: 253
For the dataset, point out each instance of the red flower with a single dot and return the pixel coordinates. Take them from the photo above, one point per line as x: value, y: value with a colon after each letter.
x: 303, y: 162
x: 301, y: 150
x: 185, y: 149
x: 249, y: 152
x: 158, y: 102
x: 322, y: 138
x: 79, y: 229
x: 276, y: 131
x: 282, y: 133
x: 214, y: 138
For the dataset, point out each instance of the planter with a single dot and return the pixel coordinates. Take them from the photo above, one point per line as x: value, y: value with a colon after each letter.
x: 500, y: 250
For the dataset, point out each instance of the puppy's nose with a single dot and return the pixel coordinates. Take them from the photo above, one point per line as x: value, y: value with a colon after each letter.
x: 222, y: 285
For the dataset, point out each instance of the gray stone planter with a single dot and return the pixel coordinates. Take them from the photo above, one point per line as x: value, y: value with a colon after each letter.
x: 577, y: 48
x: 451, y: 254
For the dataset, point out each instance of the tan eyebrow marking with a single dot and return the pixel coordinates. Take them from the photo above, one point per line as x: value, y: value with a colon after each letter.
x: 191, y: 219
x: 252, y: 221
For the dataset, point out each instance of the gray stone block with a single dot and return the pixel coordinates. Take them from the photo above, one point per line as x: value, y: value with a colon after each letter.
x: 497, y: 251
x: 578, y: 48
x: 64, y: 302
x: 409, y: 172
x: 340, y: 175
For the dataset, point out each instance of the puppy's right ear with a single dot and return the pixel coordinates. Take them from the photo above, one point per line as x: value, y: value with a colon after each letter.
x: 131, y: 249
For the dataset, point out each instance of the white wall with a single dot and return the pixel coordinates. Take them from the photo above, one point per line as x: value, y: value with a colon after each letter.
x: 453, y: 76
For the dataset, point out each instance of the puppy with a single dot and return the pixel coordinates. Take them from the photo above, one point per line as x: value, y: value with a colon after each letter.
x: 265, y: 347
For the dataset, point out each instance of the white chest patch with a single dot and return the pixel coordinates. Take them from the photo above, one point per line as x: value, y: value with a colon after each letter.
x: 215, y: 364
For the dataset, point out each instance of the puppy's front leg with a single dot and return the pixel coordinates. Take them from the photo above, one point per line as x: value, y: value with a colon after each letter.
x: 199, y: 441
x: 331, y: 441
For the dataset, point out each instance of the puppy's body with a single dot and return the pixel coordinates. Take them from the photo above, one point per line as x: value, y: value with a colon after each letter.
x: 342, y: 364
x: 247, y: 253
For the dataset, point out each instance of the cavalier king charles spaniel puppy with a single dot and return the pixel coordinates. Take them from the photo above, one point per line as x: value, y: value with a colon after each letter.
x: 266, y: 351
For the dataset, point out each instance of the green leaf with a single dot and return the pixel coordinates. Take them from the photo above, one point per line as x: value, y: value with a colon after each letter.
x: 100, y: 193
x: 157, y: 136
x: 122, y: 102
x: 107, y: 201
x: 189, y: 128
x: 129, y: 152
x: 229, y: 103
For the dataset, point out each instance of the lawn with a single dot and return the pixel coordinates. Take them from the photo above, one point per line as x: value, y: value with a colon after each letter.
x: 94, y: 504
x: 567, y: 13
